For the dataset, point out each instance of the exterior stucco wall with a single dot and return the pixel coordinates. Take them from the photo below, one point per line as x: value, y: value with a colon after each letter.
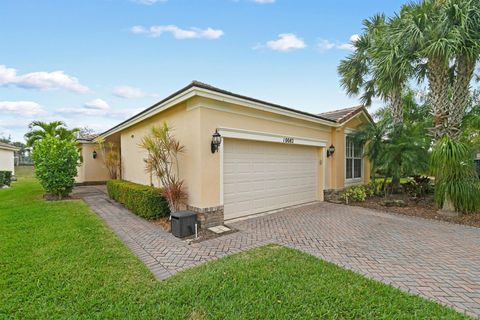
x: 91, y: 170
x: 185, y: 127
x: 7, y: 161
x: 194, y: 122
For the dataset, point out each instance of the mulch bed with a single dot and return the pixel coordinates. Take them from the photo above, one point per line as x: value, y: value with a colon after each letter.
x: 424, y: 208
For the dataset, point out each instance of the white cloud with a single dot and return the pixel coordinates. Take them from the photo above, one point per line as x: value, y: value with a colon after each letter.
x: 324, y: 45
x: 178, y: 33
x: 23, y: 108
x: 148, y: 2
x: 286, y: 42
x: 97, y: 104
x: 264, y: 1
x: 128, y: 92
x: 40, y: 80
x: 354, y: 38
x: 138, y: 29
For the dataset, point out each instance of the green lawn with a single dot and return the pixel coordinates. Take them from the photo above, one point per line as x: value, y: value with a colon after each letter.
x: 58, y: 260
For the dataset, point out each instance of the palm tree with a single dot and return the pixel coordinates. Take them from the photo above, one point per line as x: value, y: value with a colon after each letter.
x: 39, y: 130
x: 397, y: 151
x: 378, y: 67
x: 442, y: 39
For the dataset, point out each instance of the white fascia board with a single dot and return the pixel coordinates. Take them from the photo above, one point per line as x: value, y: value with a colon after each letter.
x: 161, y: 107
x: 10, y: 148
x: 270, y: 137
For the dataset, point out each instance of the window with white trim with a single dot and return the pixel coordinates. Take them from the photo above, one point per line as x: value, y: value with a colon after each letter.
x: 354, y: 161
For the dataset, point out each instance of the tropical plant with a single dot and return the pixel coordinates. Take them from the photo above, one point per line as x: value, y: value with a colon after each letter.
x: 40, y: 130
x: 378, y: 67
x: 162, y: 161
x: 442, y: 38
x: 397, y: 150
x: 56, y: 162
x: 111, y: 158
x: 457, y: 187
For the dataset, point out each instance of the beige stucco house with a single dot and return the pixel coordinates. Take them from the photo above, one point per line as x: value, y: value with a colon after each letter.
x: 270, y: 156
x: 7, y: 157
x: 92, y: 169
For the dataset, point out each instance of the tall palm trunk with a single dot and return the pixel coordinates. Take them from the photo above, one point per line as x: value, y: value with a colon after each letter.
x: 439, y: 83
x: 397, y: 107
x: 461, y: 93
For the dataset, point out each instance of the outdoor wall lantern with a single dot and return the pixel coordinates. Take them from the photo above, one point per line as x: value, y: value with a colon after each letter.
x: 216, y: 141
x: 94, y: 154
x: 330, y: 151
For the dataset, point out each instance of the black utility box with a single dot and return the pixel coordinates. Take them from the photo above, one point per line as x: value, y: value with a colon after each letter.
x: 183, y: 223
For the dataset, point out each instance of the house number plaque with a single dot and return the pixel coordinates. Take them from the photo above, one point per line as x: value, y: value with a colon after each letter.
x: 288, y: 140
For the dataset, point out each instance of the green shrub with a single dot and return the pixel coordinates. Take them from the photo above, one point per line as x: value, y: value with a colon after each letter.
x: 374, y: 188
x: 355, y: 193
x: 56, y: 164
x: 145, y: 201
x: 5, y: 178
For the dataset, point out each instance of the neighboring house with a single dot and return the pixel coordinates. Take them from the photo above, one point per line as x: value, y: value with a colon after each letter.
x: 270, y: 156
x: 7, y: 157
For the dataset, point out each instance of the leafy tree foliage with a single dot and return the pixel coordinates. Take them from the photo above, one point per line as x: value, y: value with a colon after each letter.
x: 56, y: 163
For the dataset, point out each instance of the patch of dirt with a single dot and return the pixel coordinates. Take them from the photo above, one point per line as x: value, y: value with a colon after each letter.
x: 423, y: 207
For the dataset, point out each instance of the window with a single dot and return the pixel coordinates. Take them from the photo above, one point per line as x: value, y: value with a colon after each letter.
x: 354, y: 160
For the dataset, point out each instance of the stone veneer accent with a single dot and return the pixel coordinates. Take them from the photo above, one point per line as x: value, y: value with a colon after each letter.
x: 332, y: 195
x: 208, y: 217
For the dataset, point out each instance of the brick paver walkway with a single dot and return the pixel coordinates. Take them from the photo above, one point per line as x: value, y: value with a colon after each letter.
x: 436, y: 260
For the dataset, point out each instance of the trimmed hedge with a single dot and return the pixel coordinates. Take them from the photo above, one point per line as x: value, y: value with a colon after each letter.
x: 144, y: 201
x: 5, y: 178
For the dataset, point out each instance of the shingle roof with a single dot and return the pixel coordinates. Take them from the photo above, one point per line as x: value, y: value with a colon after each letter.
x: 331, y: 116
x: 202, y: 85
x: 86, y: 137
x: 342, y: 115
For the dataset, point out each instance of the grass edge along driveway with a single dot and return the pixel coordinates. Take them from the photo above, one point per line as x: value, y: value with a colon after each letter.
x: 58, y: 260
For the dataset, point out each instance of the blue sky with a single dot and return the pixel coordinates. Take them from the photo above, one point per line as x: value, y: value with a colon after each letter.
x: 96, y: 62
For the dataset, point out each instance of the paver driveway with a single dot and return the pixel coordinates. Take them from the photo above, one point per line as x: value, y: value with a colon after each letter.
x: 437, y: 260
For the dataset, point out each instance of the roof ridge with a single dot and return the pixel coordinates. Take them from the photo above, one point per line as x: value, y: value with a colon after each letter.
x: 343, y: 109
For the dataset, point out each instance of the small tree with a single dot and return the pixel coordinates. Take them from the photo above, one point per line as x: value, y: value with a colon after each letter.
x: 162, y: 161
x: 111, y: 158
x: 56, y: 163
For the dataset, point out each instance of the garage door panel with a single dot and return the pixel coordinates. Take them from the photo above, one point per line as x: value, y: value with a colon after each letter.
x: 261, y: 176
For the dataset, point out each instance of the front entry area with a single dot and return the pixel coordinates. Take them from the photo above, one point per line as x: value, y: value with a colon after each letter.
x: 262, y: 176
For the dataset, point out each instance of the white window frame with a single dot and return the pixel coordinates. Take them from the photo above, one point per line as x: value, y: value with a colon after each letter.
x: 353, y: 181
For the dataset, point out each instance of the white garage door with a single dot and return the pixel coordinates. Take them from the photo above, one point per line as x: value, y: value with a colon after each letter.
x: 263, y: 176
